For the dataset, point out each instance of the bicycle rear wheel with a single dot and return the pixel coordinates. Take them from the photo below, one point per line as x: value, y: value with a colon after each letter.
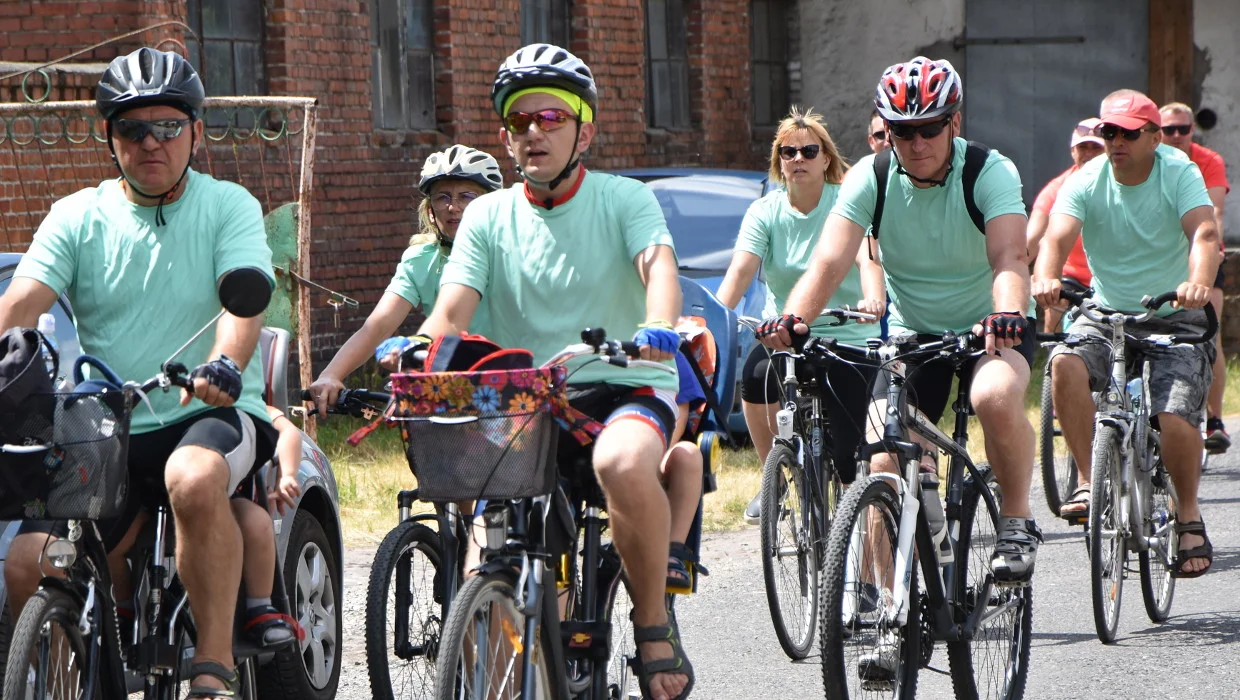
x: 1157, y: 584
x: 863, y: 654
x: 483, y: 642
x: 789, y: 551
x: 994, y: 662
x: 47, y: 654
x: 1058, y: 466
x: 403, y: 615
x: 1108, y: 552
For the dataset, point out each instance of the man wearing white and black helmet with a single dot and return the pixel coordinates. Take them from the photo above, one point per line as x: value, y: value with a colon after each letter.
x: 566, y: 250
x: 951, y: 237
x: 139, y: 258
x: 450, y: 181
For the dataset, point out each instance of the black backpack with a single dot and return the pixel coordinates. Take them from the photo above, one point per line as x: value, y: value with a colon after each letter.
x: 22, y: 368
x: 975, y: 156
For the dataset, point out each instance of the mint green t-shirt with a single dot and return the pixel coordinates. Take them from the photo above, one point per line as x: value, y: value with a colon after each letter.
x: 1132, y: 235
x: 417, y: 281
x: 784, y: 238
x: 934, y: 259
x: 139, y: 290
x: 545, y: 275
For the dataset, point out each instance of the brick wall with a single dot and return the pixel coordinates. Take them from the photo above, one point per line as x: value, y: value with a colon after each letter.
x: 364, y: 177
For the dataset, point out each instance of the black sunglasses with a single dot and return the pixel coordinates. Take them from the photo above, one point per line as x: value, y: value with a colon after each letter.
x: 1108, y: 132
x: 1181, y: 129
x: 906, y: 132
x: 809, y: 152
x: 879, y: 135
x: 546, y: 119
x: 135, y: 130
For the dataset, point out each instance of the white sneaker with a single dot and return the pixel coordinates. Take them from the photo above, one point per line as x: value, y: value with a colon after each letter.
x: 883, y: 661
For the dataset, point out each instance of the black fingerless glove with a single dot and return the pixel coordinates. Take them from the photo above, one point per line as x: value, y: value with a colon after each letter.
x: 222, y: 373
x: 1008, y: 325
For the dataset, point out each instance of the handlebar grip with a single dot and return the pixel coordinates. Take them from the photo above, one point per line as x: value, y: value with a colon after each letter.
x: 1072, y: 296
x: 630, y: 348
x: 305, y: 395
x: 1051, y: 337
x: 1211, y: 327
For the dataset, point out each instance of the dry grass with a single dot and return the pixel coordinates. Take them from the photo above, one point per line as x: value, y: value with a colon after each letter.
x: 371, y: 474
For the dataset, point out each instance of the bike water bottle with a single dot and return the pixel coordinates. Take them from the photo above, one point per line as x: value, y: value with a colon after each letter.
x: 935, y: 517
x: 1135, y: 389
x: 47, y: 328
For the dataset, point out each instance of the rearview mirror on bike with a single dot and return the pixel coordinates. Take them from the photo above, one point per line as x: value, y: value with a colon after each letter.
x: 245, y: 292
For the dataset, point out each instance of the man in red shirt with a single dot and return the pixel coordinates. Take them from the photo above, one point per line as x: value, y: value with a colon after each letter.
x: 1085, y: 145
x: 1177, y: 127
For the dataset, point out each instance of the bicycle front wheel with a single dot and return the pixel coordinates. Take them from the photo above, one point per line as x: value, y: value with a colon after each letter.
x: 864, y: 654
x: 47, y: 655
x: 481, y: 655
x: 1156, y: 562
x: 1058, y: 467
x: 789, y: 551
x: 993, y: 664
x: 621, y: 681
x: 1108, y: 551
x: 403, y: 617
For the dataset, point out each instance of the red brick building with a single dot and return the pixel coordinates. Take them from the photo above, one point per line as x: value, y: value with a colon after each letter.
x: 397, y: 79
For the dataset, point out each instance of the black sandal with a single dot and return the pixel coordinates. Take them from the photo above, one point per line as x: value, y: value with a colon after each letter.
x: 1205, y: 550
x: 677, y: 663
x: 1077, y: 517
x: 270, y: 629
x: 680, y: 564
x: 215, y: 670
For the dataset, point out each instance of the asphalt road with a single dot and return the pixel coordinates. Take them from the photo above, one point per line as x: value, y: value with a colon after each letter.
x: 728, y: 636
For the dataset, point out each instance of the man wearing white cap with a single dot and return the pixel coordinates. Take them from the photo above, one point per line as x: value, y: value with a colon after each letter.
x: 1148, y: 227
x: 1085, y: 146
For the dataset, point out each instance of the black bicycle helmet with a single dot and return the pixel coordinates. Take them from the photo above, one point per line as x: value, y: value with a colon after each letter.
x: 146, y: 78
x: 543, y: 65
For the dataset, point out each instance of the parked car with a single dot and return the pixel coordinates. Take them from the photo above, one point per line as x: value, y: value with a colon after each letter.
x: 308, y: 537
x: 704, y: 208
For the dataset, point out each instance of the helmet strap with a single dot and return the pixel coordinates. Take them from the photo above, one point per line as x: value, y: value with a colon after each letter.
x: 573, y: 161
x: 951, y: 153
x: 159, y: 206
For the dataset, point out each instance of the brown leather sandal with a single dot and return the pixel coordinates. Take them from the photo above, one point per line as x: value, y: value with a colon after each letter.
x: 1205, y: 550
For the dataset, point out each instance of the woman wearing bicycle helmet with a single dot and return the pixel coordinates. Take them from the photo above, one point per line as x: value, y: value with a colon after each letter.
x: 778, y: 233
x: 451, y: 179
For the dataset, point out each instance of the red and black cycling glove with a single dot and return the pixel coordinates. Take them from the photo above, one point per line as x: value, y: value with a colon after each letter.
x: 1007, y: 325
x: 772, y: 325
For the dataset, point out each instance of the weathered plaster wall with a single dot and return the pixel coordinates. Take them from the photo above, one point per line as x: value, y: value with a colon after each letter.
x: 845, y: 45
x: 1217, y: 64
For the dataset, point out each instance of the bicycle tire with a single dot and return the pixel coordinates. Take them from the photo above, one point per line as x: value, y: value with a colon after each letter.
x: 1059, y: 478
x: 622, y: 682
x: 994, y: 663
x: 45, y: 610
x: 788, y: 536
x: 1108, y: 552
x: 1157, y: 583
x: 467, y: 615
x: 845, y: 642
x: 410, y: 552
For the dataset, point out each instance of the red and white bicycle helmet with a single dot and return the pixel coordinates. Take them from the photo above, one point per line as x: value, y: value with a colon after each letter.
x: 919, y: 89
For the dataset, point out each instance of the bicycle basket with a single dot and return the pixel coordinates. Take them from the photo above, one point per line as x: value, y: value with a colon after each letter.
x: 480, y: 435
x: 77, y: 467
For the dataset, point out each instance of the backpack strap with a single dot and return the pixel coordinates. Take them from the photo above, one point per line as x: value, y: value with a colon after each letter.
x: 975, y: 156
x: 882, y: 163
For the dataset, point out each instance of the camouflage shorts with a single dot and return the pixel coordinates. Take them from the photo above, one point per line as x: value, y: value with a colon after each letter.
x: 1179, y: 376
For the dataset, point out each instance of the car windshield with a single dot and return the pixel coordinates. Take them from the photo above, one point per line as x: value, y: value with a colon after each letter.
x: 66, y: 335
x: 704, y: 214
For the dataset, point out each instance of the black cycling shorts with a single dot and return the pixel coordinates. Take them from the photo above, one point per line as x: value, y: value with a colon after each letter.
x: 222, y: 430
x: 929, y: 385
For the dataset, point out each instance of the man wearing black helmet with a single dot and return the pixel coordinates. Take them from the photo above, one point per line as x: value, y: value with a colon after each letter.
x: 139, y: 258
x: 571, y: 249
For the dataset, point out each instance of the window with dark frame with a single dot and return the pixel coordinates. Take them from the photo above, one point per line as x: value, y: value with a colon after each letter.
x: 229, y: 51
x: 768, y: 51
x: 546, y: 21
x: 667, y: 64
x: 403, y: 64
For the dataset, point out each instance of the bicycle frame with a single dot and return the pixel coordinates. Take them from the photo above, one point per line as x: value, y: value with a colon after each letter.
x: 810, y: 455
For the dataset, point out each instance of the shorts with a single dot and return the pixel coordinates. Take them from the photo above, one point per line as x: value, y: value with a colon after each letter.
x: 930, y: 384
x: 609, y: 403
x: 245, y: 443
x: 1178, y: 377
x: 845, y: 398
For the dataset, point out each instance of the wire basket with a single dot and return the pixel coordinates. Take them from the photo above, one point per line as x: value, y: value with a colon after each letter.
x: 480, y: 435
x: 73, y: 458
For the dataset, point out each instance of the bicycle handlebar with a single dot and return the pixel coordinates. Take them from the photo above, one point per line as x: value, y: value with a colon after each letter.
x: 1104, y: 315
x: 359, y: 403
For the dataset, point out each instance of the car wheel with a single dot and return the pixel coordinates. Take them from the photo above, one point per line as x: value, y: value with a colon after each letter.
x: 310, y: 668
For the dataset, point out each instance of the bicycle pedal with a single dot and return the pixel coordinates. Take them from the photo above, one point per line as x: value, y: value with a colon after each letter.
x: 586, y: 640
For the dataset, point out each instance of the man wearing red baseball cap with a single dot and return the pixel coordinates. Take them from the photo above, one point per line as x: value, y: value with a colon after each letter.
x: 1084, y: 146
x: 1140, y: 212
